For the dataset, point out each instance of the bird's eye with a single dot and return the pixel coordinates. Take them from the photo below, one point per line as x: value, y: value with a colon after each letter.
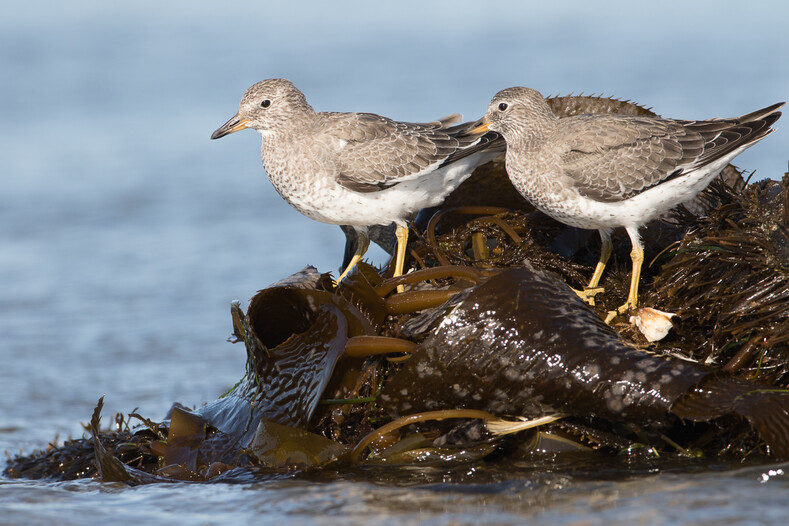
x: 502, y: 106
x: 265, y: 104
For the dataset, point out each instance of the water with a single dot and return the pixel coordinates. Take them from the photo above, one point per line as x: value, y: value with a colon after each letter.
x: 666, y: 498
x: 125, y: 233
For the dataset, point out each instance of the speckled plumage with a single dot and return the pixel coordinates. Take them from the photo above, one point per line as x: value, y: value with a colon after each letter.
x: 600, y: 171
x: 356, y: 169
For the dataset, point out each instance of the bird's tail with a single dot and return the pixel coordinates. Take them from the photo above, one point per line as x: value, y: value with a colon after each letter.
x: 729, y: 137
x: 770, y: 114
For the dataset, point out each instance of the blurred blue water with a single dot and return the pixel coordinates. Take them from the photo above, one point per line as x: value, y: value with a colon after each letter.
x: 125, y: 233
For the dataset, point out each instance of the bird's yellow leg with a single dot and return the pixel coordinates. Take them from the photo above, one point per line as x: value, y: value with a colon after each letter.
x: 637, y: 256
x: 592, y: 289
x: 401, y: 233
x: 362, y: 243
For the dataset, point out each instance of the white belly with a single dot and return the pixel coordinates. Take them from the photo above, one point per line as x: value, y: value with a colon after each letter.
x: 328, y: 202
x: 568, y: 206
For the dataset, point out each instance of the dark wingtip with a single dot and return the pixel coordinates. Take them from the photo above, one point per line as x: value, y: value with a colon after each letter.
x: 769, y: 114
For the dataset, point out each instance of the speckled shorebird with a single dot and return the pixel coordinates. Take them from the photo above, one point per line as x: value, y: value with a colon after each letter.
x: 599, y: 171
x: 357, y: 169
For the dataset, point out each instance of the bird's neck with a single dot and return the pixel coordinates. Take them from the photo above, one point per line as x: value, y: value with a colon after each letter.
x: 531, y: 150
x: 282, y: 140
x: 274, y: 150
x: 530, y: 145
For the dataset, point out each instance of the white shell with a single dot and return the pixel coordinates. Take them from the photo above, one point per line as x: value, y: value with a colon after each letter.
x: 654, y: 324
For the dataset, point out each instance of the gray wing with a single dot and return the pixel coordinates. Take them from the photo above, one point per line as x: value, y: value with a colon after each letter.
x: 374, y: 152
x: 612, y: 158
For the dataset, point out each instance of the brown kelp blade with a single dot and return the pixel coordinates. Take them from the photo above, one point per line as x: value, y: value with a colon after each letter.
x: 766, y: 408
x: 184, y: 436
x: 282, y: 447
x: 530, y: 347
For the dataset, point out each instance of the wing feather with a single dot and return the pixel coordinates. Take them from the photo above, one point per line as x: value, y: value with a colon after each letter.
x: 374, y: 152
x: 614, y: 157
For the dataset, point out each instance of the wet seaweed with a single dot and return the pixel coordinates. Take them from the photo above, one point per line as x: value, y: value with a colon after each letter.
x: 329, y: 365
x: 728, y: 280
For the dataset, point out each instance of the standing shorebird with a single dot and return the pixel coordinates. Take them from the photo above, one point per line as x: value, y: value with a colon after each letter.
x: 599, y: 171
x: 357, y: 169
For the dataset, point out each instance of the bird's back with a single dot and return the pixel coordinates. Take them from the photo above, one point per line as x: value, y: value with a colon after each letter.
x: 374, y: 152
x: 613, y: 158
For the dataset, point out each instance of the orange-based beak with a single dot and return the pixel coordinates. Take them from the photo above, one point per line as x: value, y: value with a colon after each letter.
x: 233, y: 125
x: 482, y: 128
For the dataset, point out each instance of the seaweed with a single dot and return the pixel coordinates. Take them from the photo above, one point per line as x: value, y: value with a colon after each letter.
x: 728, y: 280
x: 359, y: 373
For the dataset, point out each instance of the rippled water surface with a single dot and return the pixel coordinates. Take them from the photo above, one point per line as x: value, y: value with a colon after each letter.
x: 750, y: 496
x: 125, y: 233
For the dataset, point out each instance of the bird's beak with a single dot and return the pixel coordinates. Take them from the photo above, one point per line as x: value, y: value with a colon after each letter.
x: 481, y: 127
x: 233, y: 125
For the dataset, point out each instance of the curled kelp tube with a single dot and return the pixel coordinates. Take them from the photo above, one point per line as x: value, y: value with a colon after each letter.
x: 295, y: 336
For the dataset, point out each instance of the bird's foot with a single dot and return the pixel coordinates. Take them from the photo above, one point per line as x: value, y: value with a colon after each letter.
x: 627, y: 306
x: 342, y: 276
x: 588, y: 294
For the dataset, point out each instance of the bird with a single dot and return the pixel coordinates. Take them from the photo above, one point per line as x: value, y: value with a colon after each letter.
x: 357, y: 169
x: 603, y: 171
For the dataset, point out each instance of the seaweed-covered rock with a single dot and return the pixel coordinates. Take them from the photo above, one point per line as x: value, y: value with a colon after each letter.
x: 481, y: 333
